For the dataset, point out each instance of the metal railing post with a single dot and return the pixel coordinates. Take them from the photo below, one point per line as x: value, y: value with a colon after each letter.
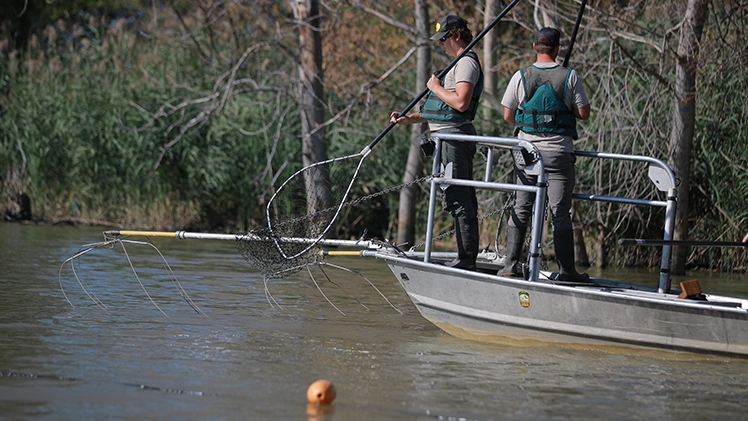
x: 665, y: 278
x: 432, y: 201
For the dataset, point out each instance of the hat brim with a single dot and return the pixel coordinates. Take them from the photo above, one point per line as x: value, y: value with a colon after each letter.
x: 437, y: 36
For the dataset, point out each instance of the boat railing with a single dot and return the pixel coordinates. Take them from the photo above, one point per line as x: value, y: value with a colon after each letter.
x: 536, y: 168
x: 664, y: 179
x: 660, y: 174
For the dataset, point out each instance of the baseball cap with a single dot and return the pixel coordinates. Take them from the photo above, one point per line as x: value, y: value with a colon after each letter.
x: 446, y: 24
x: 548, y: 36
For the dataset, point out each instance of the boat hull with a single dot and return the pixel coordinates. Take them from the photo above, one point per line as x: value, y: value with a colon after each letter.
x: 485, y: 305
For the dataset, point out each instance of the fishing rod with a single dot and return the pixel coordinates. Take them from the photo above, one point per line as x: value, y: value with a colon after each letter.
x: 704, y: 243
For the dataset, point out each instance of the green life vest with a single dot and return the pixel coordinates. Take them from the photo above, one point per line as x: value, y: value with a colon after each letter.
x: 543, y: 108
x: 434, y: 109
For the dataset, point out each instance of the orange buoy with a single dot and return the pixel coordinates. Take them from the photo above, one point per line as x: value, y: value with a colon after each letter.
x: 321, y: 392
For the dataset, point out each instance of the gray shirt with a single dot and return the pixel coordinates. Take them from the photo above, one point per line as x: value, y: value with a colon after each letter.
x: 466, y: 70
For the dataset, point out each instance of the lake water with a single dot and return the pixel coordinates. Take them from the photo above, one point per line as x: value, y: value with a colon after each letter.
x: 250, y: 359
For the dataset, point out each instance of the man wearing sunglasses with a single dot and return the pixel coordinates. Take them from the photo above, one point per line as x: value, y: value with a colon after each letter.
x: 450, y: 107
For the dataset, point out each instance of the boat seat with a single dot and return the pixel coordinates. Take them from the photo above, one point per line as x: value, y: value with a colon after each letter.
x: 691, y: 289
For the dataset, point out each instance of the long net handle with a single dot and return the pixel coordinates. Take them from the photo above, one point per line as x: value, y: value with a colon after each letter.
x: 441, y: 74
x: 574, y: 33
x: 249, y: 237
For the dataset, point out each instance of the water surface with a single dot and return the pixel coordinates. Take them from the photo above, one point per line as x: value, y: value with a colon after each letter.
x: 253, y: 359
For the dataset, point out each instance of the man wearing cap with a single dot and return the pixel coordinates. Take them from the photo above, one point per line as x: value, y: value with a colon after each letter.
x: 542, y: 103
x: 450, y: 107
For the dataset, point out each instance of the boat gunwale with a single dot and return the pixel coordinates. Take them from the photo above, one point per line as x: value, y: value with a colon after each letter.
x: 604, y: 289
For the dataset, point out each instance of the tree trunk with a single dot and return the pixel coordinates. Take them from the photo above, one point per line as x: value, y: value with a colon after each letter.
x: 406, y: 215
x: 681, y: 137
x: 311, y: 103
x: 489, y: 60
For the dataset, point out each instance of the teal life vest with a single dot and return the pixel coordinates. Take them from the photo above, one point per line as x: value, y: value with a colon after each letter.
x: 543, y: 108
x: 434, y: 109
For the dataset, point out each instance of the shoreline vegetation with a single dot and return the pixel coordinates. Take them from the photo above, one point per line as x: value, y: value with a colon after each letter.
x: 159, y: 116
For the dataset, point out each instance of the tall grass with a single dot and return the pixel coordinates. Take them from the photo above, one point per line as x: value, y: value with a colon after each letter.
x: 100, y: 130
x: 81, y: 134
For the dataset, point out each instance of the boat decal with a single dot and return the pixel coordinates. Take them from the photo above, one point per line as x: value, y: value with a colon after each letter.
x: 524, y: 299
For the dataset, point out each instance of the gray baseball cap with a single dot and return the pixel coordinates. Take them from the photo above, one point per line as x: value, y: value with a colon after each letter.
x: 548, y: 36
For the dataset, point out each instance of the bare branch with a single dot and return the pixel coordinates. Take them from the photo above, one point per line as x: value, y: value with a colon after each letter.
x: 365, y: 88
x: 391, y: 20
x: 656, y: 75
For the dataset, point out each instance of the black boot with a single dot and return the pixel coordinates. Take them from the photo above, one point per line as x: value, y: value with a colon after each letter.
x: 563, y: 243
x: 467, y: 244
x: 515, y: 240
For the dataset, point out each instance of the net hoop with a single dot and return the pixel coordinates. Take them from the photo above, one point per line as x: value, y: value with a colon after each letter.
x: 274, y: 228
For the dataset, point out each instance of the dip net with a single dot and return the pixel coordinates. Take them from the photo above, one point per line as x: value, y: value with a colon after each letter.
x: 299, y: 215
x: 267, y: 253
x: 303, y: 214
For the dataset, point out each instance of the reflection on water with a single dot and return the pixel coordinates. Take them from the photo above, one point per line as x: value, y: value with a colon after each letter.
x: 249, y: 359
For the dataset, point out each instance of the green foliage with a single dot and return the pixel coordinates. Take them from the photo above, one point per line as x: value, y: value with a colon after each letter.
x: 719, y: 186
x: 83, y: 131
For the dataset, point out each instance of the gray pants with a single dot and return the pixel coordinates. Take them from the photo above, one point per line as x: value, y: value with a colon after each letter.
x: 460, y: 201
x: 561, y: 179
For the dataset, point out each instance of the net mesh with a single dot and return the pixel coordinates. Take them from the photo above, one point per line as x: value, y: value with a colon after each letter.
x: 260, y: 249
